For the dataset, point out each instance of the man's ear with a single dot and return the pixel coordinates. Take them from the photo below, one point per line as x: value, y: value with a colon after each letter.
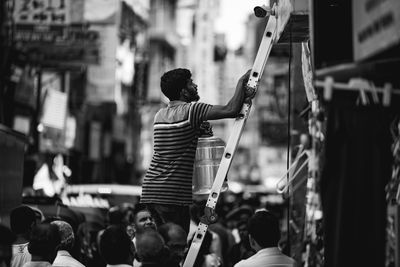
x: 252, y: 241
x: 183, y: 94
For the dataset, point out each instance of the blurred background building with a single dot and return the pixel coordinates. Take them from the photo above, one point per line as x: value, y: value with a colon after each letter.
x: 79, y: 88
x: 84, y: 84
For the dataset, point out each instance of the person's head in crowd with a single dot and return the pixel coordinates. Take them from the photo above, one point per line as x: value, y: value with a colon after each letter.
x: 143, y: 218
x: 67, y: 237
x: 115, y: 246
x: 114, y: 215
x: 44, y: 240
x: 123, y: 215
x: 52, y: 219
x: 175, y: 239
x: 150, y: 248
x: 22, y: 219
x: 7, y: 238
x: 39, y: 215
x: 263, y: 228
x: 127, y: 213
x: 88, y: 240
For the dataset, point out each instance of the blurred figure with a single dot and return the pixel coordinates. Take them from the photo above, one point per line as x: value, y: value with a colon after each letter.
x: 67, y: 241
x: 116, y: 247
x: 88, y: 240
x: 123, y: 215
x: 39, y: 215
x: 264, y: 235
x: 206, y: 258
x: 6, y: 241
x: 175, y: 239
x: 43, y: 242
x: 238, y: 218
x: 22, y: 219
x: 151, y: 250
x: 114, y: 215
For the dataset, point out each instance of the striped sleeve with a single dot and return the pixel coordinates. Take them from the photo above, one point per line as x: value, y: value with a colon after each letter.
x: 198, y: 113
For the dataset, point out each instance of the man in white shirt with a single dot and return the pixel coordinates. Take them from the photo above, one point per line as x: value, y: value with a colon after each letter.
x: 22, y: 219
x: 264, y: 235
x: 64, y: 258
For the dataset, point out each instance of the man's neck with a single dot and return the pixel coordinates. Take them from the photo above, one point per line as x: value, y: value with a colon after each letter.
x: 39, y: 258
x: 176, y: 102
x: 122, y: 263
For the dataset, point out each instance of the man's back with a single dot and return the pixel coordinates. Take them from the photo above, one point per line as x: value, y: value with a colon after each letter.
x: 64, y: 259
x: 176, y: 131
x: 268, y: 257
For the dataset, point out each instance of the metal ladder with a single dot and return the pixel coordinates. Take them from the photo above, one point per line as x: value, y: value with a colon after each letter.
x: 269, y: 38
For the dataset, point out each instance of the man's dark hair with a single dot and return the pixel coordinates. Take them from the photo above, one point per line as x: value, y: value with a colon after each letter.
x: 115, y: 245
x: 67, y: 237
x: 44, y: 240
x: 21, y: 219
x: 173, y: 81
x: 115, y: 215
x: 140, y: 207
x: 263, y: 227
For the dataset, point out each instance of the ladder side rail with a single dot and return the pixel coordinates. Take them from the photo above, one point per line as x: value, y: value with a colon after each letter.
x: 264, y: 50
x: 233, y: 141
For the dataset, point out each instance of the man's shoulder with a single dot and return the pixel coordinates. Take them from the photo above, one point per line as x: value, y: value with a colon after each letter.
x: 266, y: 258
x: 171, y: 114
x: 65, y: 260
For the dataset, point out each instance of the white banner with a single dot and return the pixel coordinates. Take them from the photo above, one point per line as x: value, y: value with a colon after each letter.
x: 55, y: 109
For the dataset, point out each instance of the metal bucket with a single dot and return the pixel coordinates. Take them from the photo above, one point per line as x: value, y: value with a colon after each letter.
x: 208, y: 157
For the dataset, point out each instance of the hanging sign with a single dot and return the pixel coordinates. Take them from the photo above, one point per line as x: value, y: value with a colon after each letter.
x: 376, y: 25
x: 55, y: 109
x: 55, y: 12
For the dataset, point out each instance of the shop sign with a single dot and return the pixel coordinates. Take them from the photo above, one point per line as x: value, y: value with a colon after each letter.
x: 44, y: 12
x: 376, y: 25
x: 77, y: 34
x: 101, y: 78
x: 67, y: 43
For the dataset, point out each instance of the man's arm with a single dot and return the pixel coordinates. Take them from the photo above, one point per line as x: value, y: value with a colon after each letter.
x: 232, y: 108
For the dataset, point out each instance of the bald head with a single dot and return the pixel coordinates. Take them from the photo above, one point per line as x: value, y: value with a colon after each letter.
x: 175, y: 238
x: 149, y: 245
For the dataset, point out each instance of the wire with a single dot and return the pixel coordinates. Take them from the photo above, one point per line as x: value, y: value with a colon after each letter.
x: 289, y: 139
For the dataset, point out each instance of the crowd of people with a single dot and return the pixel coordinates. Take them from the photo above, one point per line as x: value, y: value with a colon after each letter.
x: 134, y: 236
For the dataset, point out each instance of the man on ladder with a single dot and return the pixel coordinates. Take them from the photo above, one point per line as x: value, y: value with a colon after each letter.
x: 167, y: 186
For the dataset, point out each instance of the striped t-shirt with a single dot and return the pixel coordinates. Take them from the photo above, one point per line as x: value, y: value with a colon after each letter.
x: 176, y: 132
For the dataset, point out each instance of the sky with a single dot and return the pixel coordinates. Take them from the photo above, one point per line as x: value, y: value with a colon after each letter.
x: 232, y: 18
